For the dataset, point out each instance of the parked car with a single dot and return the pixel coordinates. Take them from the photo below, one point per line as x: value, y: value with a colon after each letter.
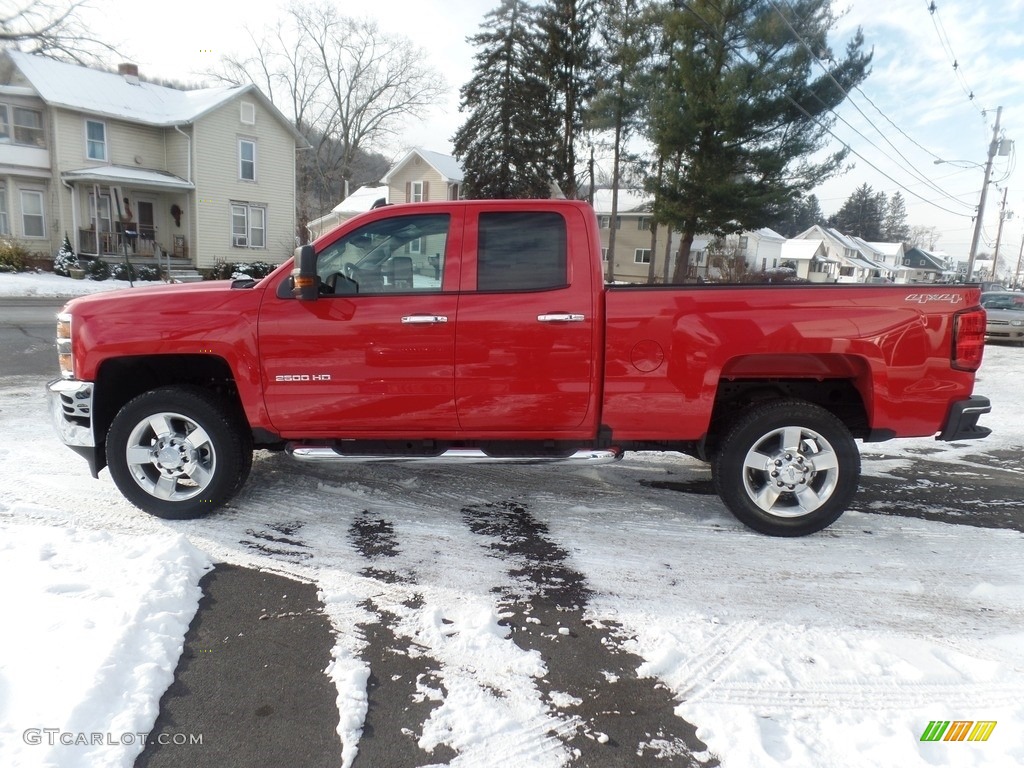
x: 1005, y: 311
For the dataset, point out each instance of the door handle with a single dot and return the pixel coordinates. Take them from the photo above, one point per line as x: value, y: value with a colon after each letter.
x: 424, y: 319
x: 561, y: 317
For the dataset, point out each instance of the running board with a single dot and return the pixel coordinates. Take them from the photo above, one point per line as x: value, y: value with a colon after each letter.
x: 453, y: 456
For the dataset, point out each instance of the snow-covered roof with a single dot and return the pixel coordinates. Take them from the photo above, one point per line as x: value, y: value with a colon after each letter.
x: 446, y: 165
x: 767, y: 233
x: 630, y: 201
x: 138, y: 177
x: 360, y: 201
x: 112, y: 95
x: 801, y: 250
x: 363, y: 199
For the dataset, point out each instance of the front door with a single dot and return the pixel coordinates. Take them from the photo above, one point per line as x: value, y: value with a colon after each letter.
x: 147, y: 226
x: 375, y: 352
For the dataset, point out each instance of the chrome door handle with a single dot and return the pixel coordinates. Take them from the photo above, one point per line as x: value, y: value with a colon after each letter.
x: 561, y: 317
x: 424, y: 319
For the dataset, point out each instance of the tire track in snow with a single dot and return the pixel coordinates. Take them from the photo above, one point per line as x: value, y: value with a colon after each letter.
x: 396, y: 706
x: 620, y: 718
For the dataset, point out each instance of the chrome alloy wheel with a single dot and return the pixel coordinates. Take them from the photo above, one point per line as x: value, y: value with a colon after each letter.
x: 170, y: 456
x: 790, y: 472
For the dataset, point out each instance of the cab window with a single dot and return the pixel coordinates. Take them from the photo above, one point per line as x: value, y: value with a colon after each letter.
x: 403, y: 254
x: 521, y: 251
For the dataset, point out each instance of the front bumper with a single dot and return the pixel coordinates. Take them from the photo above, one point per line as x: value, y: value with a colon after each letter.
x: 962, y: 419
x: 71, y: 411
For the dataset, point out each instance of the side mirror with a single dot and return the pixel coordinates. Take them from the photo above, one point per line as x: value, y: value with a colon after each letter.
x: 305, y: 283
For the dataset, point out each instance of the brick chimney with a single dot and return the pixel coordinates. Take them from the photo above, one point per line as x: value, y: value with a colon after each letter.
x: 129, y: 72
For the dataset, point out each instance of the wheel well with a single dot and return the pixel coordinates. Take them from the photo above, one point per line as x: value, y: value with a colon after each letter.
x: 838, y: 396
x: 121, y: 379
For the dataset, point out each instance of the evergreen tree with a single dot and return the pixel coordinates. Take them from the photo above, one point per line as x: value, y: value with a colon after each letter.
x: 800, y: 215
x: 747, y: 105
x: 623, y: 93
x: 895, y: 229
x: 570, y: 65
x: 862, y: 215
x: 507, y: 144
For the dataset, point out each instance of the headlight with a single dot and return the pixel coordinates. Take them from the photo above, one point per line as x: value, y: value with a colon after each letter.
x: 1017, y: 323
x: 64, y: 357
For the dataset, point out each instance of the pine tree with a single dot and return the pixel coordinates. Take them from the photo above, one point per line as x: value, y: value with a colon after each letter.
x: 895, y: 228
x: 746, y: 104
x: 862, y: 215
x: 507, y: 144
x: 623, y: 91
x: 570, y: 67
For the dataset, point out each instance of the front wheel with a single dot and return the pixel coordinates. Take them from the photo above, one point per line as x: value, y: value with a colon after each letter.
x: 787, y: 468
x: 178, y: 452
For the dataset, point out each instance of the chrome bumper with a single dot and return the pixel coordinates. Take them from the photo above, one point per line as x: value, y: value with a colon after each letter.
x: 71, y: 412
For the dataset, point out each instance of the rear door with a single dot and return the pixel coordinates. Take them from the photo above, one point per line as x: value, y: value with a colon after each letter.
x: 525, y: 352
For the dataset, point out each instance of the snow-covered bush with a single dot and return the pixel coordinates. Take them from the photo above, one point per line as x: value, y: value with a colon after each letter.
x: 65, y: 260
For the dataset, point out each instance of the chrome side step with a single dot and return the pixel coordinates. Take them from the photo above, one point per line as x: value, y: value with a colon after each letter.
x: 453, y: 456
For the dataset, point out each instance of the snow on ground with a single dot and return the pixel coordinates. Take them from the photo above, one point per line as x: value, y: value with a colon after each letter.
x: 836, y: 649
x: 49, y: 284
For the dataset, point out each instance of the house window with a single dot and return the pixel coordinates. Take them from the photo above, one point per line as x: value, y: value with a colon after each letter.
x: 246, y: 160
x: 248, y: 113
x: 606, y: 222
x: 415, y: 245
x: 5, y: 223
x: 743, y: 243
x: 644, y: 223
x: 248, y: 226
x: 642, y: 256
x: 5, y: 125
x: 95, y: 140
x: 28, y: 127
x: 416, y: 193
x: 32, y: 213
x: 604, y: 254
x: 100, y: 215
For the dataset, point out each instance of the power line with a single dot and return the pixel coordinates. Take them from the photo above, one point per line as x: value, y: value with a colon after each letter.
x: 821, y: 125
x: 940, y: 30
x: 913, y: 170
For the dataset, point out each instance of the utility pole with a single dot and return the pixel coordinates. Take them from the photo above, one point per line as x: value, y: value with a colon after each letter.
x: 1003, y: 216
x: 1020, y: 256
x: 984, y: 192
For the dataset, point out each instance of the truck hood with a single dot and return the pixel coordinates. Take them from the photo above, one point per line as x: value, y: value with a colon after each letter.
x: 189, y: 293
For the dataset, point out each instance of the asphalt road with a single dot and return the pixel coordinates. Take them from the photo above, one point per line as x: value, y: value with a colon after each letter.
x: 27, y: 330
x: 251, y: 681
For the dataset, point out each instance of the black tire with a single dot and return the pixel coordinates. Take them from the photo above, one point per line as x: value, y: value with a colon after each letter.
x: 781, y: 489
x: 162, y: 467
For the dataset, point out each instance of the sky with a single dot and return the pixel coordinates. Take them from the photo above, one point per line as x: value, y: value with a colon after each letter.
x: 913, y: 109
x: 840, y: 657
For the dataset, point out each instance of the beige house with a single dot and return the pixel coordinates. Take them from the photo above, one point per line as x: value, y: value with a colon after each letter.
x: 118, y: 164
x: 419, y: 176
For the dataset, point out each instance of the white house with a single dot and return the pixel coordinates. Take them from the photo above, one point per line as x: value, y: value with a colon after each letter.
x: 120, y: 164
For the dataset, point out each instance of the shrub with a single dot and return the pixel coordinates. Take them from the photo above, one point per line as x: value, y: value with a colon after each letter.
x: 97, y: 269
x: 13, y: 256
x: 65, y: 260
x: 226, y: 270
x: 122, y: 271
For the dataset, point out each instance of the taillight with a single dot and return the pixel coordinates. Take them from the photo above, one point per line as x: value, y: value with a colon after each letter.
x: 968, y: 339
x: 64, y: 356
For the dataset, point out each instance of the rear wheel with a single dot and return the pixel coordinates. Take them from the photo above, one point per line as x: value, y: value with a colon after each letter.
x: 178, y: 452
x: 787, y: 468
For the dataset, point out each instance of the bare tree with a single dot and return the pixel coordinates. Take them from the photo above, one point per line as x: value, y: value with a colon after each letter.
x: 347, y: 85
x: 924, y: 237
x: 51, y: 28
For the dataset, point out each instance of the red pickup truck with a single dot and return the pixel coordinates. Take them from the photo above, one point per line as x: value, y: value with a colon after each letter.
x: 483, y: 331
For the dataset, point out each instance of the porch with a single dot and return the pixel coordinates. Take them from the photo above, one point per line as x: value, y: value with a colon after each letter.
x: 98, y: 243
